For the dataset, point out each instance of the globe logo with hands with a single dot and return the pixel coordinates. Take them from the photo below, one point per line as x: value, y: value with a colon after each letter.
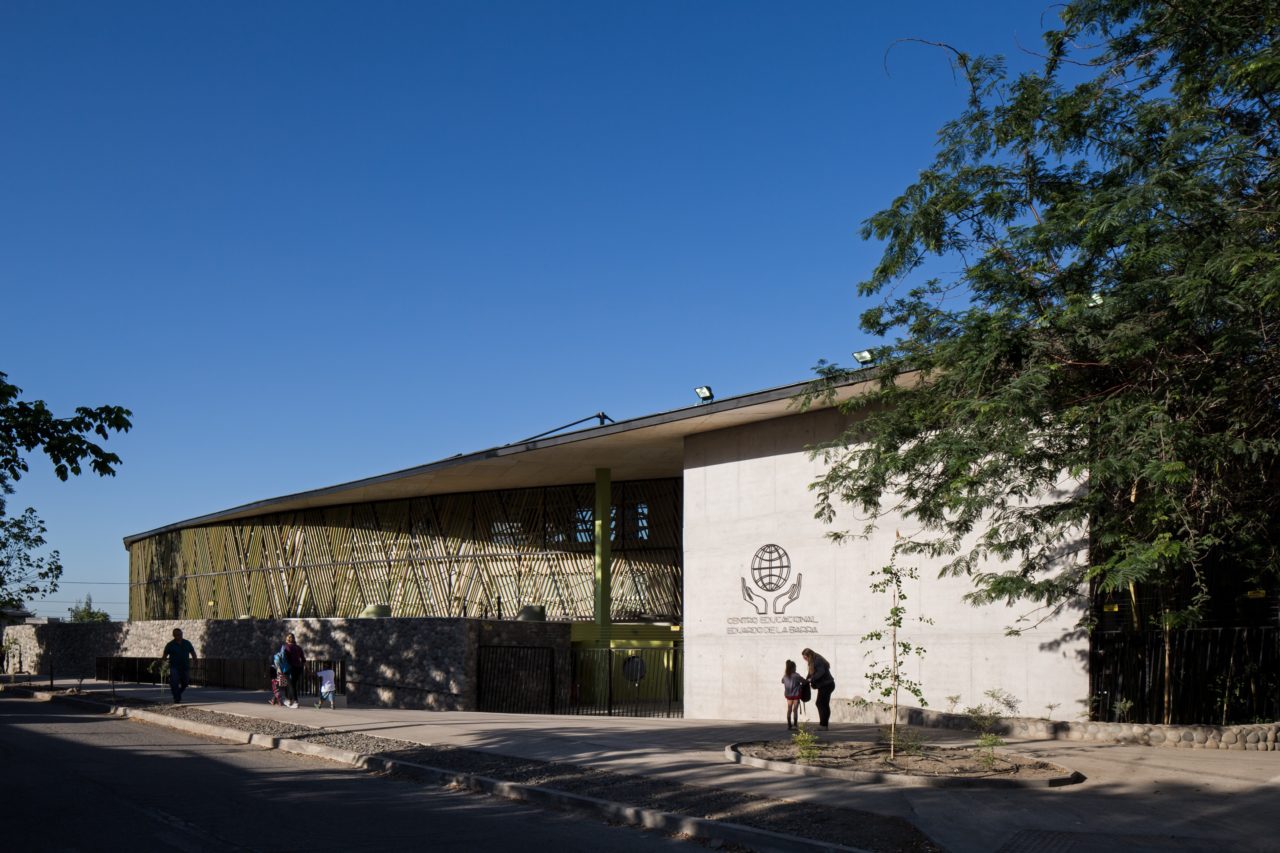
x: 770, y: 570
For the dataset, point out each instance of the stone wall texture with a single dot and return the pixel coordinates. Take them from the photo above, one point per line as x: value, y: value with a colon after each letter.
x: 1260, y: 737
x: 401, y: 663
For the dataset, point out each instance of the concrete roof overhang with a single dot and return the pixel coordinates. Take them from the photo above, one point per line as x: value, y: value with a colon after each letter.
x: 643, y: 448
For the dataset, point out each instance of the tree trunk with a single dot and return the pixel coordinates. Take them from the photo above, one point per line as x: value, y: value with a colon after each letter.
x: 1167, y: 716
x: 893, y: 721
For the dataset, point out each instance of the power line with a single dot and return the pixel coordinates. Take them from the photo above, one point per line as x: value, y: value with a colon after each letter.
x: 64, y: 601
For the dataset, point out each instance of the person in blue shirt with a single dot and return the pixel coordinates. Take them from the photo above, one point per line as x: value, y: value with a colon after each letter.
x: 180, y: 653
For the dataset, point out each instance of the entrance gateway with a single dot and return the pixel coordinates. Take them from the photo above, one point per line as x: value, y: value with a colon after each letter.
x: 641, y: 682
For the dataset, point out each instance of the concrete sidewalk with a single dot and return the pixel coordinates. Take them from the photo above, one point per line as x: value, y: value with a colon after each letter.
x: 1140, y: 798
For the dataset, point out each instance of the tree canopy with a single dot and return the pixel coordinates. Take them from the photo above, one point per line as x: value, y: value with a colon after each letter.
x: 68, y: 442
x: 1100, y: 353
x: 86, y: 612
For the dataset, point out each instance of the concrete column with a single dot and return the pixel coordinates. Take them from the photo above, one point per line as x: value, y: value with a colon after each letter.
x: 604, y: 552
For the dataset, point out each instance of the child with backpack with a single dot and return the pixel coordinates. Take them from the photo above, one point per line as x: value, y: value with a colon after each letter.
x: 792, y: 689
x: 278, y: 677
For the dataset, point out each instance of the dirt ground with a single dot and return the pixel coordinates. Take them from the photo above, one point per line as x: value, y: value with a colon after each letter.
x: 918, y: 760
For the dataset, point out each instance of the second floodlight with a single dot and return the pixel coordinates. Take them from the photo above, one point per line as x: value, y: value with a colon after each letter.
x: 704, y: 393
x: 863, y: 357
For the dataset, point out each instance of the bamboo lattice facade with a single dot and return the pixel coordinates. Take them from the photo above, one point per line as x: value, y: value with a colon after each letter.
x: 481, y: 554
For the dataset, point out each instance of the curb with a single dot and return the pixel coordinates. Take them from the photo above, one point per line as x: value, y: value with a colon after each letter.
x: 733, y: 753
x: 762, y: 840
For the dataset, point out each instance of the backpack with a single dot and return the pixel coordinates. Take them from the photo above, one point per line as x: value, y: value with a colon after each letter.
x: 805, y: 692
x: 280, y: 661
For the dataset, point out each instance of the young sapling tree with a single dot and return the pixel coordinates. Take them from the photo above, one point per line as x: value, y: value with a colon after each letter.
x: 888, y: 678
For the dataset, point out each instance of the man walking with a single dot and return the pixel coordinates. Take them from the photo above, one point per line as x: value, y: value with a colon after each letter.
x: 179, y: 653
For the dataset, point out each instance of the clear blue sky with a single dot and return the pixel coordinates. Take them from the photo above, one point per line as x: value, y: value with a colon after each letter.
x: 309, y: 242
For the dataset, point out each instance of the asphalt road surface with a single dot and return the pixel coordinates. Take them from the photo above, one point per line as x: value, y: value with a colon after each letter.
x: 77, y: 781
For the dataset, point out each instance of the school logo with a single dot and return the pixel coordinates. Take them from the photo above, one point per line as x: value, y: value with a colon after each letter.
x: 770, y: 571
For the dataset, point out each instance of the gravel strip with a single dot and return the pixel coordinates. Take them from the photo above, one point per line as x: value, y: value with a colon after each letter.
x: 830, y: 824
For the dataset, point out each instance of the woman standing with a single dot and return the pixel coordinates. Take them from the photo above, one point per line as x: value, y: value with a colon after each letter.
x: 295, y: 666
x: 821, y: 680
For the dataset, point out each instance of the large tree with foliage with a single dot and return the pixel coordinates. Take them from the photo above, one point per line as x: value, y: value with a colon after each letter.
x: 69, y: 443
x: 1082, y: 302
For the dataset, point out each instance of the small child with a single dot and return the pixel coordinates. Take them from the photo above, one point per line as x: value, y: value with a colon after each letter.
x: 327, y: 687
x: 792, y: 682
x: 278, y: 679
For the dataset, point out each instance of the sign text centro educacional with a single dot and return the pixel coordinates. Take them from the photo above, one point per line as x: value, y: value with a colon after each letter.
x: 772, y: 624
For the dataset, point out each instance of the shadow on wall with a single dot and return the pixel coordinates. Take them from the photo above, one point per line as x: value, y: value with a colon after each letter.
x: 795, y: 434
x: 414, y: 663
x: 405, y: 663
x: 61, y: 649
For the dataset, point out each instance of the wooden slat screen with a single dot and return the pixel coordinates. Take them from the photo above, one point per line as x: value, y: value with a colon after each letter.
x: 446, y: 555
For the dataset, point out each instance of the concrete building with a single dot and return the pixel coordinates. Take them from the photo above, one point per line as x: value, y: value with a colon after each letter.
x: 746, y: 487
x: 714, y: 547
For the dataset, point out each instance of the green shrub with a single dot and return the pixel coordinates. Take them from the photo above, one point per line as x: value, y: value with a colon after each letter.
x: 987, y: 743
x: 987, y: 717
x: 903, y: 739
x: 806, y: 744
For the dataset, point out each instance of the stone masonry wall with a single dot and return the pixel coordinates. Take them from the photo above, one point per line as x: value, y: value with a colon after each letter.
x: 68, y: 646
x: 407, y: 663
x: 1263, y: 737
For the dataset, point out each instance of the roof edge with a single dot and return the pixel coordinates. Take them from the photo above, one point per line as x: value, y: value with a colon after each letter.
x: 728, y: 404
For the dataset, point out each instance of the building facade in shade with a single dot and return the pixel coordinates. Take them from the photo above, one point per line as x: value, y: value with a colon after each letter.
x: 475, y: 554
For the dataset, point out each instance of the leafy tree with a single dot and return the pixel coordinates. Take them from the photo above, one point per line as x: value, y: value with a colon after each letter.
x: 1100, y: 353
x: 68, y: 442
x: 24, y: 573
x: 86, y: 613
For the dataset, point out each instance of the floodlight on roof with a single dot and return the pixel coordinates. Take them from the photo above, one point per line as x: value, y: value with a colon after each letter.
x: 864, y: 357
x: 704, y: 393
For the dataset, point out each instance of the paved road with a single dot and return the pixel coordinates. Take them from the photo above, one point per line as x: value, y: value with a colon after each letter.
x: 75, y: 781
x: 1136, y: 798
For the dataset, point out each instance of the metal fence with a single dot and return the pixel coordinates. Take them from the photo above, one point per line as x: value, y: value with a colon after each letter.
x: 516, y: 680
x: 604, y: 682
x: 628, y: 682
x: 238, y: 673
x: 1216, y: 675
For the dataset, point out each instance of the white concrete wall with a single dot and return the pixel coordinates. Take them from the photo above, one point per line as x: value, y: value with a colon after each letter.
x: 746, y: 487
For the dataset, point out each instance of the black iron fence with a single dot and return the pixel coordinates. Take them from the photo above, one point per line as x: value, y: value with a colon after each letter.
x: 605, y: 682
x: 628, y: 682
x: 516, y: 679
x: 1215, y: 675
x: 241, y: 674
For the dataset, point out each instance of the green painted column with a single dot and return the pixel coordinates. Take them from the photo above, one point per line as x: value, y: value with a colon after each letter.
x: 604, y: 552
